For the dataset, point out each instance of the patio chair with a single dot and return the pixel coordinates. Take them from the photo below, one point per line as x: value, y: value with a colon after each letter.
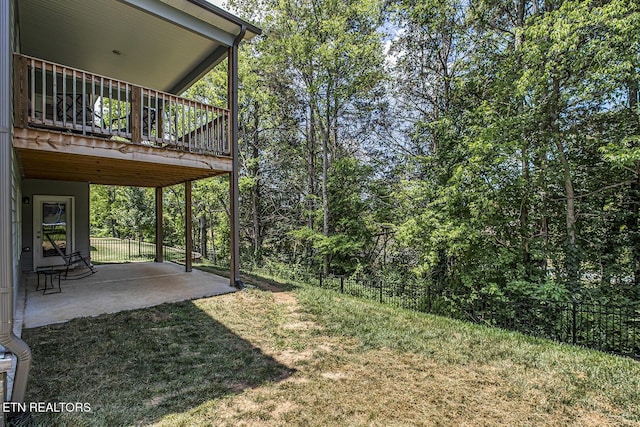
x: 148, y: 123
x: 72, y: 259
x: 84, y: 114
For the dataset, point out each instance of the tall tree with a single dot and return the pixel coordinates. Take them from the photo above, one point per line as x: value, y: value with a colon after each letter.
x: 331, y: 54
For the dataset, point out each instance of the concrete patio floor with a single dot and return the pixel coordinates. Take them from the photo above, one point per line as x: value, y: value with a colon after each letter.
x: 118, y: 287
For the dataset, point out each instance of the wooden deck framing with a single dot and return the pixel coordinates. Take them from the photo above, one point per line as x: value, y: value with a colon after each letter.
x: 45, y: 154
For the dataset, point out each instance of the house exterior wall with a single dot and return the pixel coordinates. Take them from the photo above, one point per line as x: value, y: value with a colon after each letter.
x: 8, y: 218
x: 79, y: 190
x: 15, y: 176
x: 14, y: 36
x: 16, y: 227
x: 16, y: 216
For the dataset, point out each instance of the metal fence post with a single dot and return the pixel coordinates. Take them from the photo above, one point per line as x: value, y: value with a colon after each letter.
x: 342, y: 284
x: 380, y: 291
x: 321, y: 279
x: 428, y: 298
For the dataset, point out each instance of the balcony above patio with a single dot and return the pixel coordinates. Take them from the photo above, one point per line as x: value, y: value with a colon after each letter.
x: 73, y: 125
x: 97, y: 85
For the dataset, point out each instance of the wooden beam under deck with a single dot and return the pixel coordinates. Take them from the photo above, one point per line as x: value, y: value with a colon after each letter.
x: 45, y: 154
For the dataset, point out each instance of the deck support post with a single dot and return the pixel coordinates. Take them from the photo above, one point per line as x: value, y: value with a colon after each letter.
x: 188, y: 239
x: 232, y: 84
x: 159, y: 229
x: 20, y: 89
x: 136, y: 114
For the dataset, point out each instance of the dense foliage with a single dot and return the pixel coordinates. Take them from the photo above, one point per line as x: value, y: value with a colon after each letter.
x: 487, y: 146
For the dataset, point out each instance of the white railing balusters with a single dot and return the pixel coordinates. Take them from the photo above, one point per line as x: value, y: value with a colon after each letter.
x: 44, y: 95
x: 56, y: 92
x: 93, y: 104
x: 83, y: 105
x: 54, y: 89
x: 102, y: 114
x: 74, y: 113
x: 127, y: 127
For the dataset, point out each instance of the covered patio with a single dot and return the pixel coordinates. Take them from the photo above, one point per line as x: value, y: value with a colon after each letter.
x: 117, y: 287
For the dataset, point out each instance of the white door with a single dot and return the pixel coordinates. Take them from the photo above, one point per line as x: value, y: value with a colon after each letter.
x: 53, y: 225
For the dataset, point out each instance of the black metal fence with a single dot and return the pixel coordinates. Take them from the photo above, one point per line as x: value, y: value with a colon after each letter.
x: 606, y: 327
x: 106, y: 250
x: 113, y: 250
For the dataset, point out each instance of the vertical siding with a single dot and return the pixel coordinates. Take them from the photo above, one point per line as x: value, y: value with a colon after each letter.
x: 10, y: 199
x: 12, y: 35
x: 16, y: 199
x: 15, y: 34
x: 10, y: 47
x: 16, y: 227
x: 7, y: 261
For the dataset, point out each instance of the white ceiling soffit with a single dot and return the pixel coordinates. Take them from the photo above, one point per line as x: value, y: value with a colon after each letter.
x: 146, y: 42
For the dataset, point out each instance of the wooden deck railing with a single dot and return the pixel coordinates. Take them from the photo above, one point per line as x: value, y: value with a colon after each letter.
x: 57, y: 97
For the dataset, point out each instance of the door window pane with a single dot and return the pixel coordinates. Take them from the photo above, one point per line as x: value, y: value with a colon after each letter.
x: 54, y: 228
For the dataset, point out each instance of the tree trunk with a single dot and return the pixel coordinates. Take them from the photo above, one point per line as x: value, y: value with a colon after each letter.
x: 326, y: 140
x: 255, y: 191
x: 572, y: 258
x: 634, y: 231
x: 214, y: 258
x: 111, y: 191
x: 572, y: 255
x: 255, y: 208
x: 325, y: 197
x: 524, y: 165
x: 633, y: 223
x: 311, y: 172
x: 203, y: 237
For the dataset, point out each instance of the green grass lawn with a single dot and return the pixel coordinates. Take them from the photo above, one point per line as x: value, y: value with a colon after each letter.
x: 312, y: 357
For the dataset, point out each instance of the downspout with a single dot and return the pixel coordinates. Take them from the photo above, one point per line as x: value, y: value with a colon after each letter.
x: 234, y: 202
x: 239, y: 37
x: 13, y: 344
x: 8, y: 340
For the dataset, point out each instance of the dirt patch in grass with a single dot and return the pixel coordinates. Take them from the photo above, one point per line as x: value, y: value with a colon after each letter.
x: 283, y: 408
x: 286, y: 298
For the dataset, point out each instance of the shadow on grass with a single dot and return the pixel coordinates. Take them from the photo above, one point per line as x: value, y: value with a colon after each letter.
x: 136, y: 367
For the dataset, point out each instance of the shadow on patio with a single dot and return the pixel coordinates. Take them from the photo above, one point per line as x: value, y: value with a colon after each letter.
x: 118, y: 287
